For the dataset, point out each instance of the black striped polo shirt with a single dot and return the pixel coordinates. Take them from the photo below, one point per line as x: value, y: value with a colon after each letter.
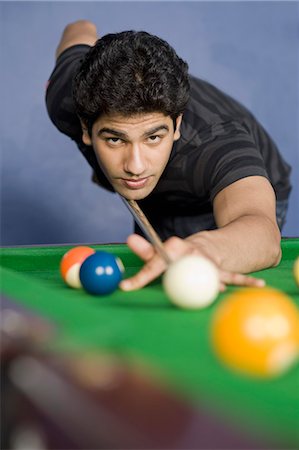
x: 221, y: 142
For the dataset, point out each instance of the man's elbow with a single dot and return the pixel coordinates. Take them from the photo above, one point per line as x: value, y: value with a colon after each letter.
x: 276, y: 252
x: 81, y: 25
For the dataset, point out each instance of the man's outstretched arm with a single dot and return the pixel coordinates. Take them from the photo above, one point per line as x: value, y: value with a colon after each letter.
x: 80, y: 32
x: 247, y: 240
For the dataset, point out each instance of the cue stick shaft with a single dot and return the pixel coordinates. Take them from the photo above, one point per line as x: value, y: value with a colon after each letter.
x: 146, y: 227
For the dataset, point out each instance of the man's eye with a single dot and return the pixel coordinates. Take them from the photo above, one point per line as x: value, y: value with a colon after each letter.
x: 113, y: 140
x: 154, y: 139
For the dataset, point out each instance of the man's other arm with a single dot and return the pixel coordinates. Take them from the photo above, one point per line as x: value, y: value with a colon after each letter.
x: 80, y: 32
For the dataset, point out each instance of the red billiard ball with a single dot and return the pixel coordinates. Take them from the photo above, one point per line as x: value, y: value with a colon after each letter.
x: 70, y: 265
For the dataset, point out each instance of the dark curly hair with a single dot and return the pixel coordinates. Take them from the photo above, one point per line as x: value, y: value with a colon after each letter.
x: 129, y: 73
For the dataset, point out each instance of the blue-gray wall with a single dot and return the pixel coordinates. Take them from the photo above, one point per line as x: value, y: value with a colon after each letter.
x: 249, y: 49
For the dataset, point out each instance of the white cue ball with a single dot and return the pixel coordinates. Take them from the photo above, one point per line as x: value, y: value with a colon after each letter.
x: 192, y: 282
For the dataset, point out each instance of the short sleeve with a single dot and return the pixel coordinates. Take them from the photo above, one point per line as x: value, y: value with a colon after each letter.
x: 59, y: 99
x: 229, y: 154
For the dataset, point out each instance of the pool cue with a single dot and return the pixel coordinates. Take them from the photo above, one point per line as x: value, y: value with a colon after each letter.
x: 146, y: 227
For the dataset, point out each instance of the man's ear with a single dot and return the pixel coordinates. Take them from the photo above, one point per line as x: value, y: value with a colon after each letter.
x: 85, y: 135
x: 177, y: 132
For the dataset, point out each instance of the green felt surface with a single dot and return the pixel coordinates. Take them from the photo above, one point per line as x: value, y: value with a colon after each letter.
x: 143, y: 325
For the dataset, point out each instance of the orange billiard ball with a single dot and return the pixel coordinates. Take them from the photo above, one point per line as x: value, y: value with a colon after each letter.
x: 71, y: 262
x: 256, y: 331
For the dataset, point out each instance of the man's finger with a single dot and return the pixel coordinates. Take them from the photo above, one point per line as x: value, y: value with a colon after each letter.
x: 238, y: 279
x: 141, y: 247
x: 151, y: 270
x: 222, y: 287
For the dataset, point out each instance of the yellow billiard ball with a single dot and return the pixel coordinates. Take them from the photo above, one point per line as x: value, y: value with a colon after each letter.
x: 296, y: 271
x: 255, y: 331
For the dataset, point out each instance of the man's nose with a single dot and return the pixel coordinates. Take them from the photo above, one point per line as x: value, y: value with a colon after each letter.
x: 134, y: 161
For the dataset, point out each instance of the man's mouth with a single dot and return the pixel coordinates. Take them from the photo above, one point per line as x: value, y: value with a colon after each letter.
x: 135, y: 184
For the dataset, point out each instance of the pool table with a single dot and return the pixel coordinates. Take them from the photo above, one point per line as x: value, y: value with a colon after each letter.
x: 129, y: 370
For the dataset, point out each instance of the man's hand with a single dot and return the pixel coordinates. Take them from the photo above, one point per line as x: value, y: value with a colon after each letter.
x: 175, y: 248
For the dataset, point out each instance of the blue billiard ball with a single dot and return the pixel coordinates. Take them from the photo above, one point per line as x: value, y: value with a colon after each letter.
x: 101, y: 273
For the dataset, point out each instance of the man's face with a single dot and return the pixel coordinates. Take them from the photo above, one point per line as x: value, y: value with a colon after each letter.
x: 133, y: 151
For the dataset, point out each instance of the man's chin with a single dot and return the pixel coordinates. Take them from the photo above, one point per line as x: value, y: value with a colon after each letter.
x: 135, y: 194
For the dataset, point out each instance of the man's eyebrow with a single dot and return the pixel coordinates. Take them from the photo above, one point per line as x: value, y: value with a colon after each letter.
x: 116, y: 133
x: 121, y: 134
x: 156, y: 129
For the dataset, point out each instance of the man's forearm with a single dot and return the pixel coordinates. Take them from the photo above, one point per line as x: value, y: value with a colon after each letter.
x: 248, y: 244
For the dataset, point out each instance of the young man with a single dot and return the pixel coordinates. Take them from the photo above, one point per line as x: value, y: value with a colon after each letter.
x: 204, y: 171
